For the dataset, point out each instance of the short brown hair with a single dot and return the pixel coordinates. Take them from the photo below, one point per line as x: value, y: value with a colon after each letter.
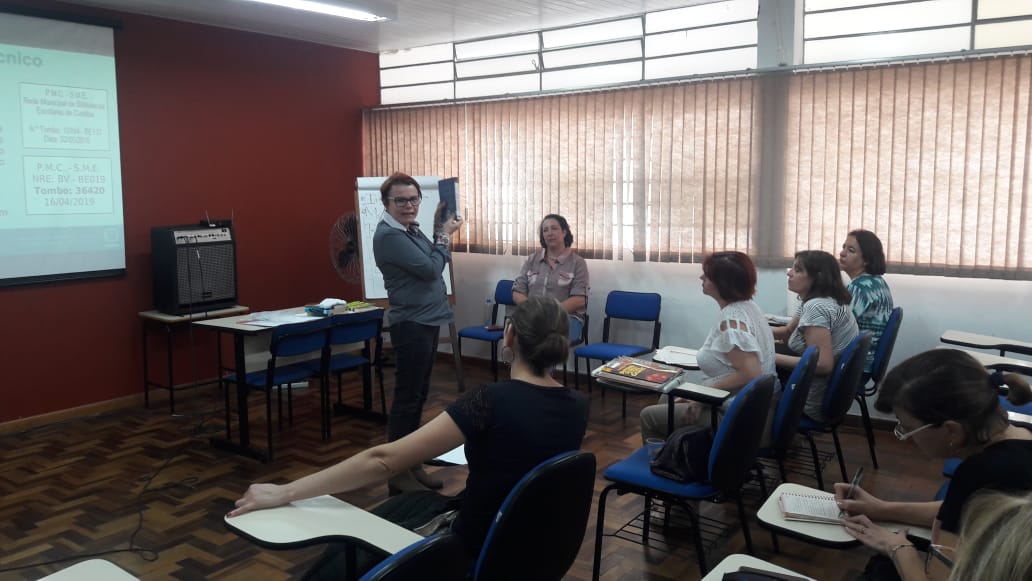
x: 733, y: 273
x: 397, y: 179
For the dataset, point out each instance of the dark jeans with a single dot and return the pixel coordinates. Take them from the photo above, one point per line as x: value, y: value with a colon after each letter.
x: 415, y: 347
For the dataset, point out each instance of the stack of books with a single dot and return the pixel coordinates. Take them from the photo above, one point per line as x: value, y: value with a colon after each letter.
x: 639, y: 373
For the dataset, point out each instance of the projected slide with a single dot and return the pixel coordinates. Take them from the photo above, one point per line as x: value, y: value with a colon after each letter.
x: 60, y: 173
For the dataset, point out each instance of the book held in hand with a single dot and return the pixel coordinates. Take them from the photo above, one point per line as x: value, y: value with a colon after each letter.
x: 638, y: 372
x: 810, y: 508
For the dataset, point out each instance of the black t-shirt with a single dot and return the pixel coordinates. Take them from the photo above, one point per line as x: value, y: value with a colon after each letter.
x: 1005, y: 466
x: 510, y: 427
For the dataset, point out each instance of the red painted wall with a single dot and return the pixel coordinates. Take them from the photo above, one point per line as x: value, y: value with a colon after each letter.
x: 265, y: 128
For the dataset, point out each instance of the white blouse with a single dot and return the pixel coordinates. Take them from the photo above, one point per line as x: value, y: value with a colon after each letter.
x: 743, y: 325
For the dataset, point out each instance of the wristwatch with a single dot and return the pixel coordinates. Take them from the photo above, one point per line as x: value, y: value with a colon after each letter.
x: 442, y: 239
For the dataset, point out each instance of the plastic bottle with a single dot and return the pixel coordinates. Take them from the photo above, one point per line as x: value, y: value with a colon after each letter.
x: 488, y: 308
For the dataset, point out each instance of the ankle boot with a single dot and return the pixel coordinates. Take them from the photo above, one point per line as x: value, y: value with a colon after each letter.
x: 404, y: 482
x: 426, y: 479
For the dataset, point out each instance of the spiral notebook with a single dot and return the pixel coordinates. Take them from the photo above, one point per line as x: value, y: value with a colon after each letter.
x: 809, y: 508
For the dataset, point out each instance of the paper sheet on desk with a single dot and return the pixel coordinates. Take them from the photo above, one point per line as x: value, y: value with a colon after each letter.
x: 676, y: 356
x: 276, y: 318
x: 456, y: 456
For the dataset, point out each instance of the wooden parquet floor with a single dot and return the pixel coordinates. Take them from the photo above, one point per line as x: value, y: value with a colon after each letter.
x: 148, y: 492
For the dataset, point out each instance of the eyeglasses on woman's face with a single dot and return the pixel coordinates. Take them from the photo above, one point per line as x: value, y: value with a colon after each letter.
x: 902, y: 434
x: 402, y: 202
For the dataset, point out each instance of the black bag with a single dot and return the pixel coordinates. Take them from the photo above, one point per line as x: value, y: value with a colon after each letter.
x: 685, y: 456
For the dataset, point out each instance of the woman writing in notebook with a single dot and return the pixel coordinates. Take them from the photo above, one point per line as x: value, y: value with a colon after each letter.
x: 507, y: 428
x: 948, y: 405
x: 738, y: 349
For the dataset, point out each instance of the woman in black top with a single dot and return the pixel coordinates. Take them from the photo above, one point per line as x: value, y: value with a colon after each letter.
x: 508, y: 428
x: 947, y: 403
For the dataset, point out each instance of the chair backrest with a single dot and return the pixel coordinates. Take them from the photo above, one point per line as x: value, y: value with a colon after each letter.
x: 845, y: 379
x: 298, y: 338
x: 356, y: 327
x: 539, y: 528
x: 441, y: 557
x: 633, y: 306
x: 793, y: 400
x: 886, y: 342
x: 503, y: 293
x: 738, y: 437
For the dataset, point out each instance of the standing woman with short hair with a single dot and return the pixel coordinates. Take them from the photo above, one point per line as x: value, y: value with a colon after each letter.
x: 412, y: 265
x: 823, y: 319
x: 863, y: 261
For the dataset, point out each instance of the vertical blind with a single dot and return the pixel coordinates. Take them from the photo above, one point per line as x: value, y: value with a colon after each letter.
x: 664, y: 173
x: 933, y: 157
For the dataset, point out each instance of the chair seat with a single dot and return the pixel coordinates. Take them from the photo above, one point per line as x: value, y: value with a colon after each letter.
x: 480, y: 333
x: 345, y: 361
x: 635, y: 471
x: 281, y: 375
x: 606, y: 351
x: 807, y: 424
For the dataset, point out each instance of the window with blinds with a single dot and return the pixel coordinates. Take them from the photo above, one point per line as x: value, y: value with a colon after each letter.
x: 934, y: 158
x: 664, y: 173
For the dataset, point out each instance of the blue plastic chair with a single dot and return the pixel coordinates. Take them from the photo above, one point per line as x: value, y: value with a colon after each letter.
x: 732, y: 460
x: 838, y: 397
x: 790, y: 409
x: 441, y: 557
x: 632, y: 306
x: 502, y: 296
x: 870, y: 380
x: 287, y: 341
x: 345, y: 329
x: 539, y: 528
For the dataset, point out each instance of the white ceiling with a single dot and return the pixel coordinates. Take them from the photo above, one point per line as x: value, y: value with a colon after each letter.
x: 419, y: 22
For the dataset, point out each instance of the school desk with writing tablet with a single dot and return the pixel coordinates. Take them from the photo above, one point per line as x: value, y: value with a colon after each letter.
x: 91, y: 570
x: 823, y: 534
x: 320, y: 520
x: 736, y: 562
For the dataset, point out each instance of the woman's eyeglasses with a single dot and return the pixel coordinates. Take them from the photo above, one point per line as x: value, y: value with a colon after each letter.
x: 413, y: 201
x: 901, y: 434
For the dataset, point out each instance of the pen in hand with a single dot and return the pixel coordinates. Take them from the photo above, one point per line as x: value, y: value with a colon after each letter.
x: 857, y: 478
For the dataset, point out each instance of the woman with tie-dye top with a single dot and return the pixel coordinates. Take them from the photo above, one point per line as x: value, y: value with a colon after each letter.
x: 863, y: 260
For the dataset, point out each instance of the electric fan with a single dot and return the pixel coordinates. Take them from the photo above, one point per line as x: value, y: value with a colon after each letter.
x: 344, y: 251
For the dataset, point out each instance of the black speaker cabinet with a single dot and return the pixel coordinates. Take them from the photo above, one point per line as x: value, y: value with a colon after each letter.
x: 194, y: 268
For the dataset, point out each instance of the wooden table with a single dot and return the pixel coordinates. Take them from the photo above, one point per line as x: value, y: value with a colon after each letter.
x: 168, y: 323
